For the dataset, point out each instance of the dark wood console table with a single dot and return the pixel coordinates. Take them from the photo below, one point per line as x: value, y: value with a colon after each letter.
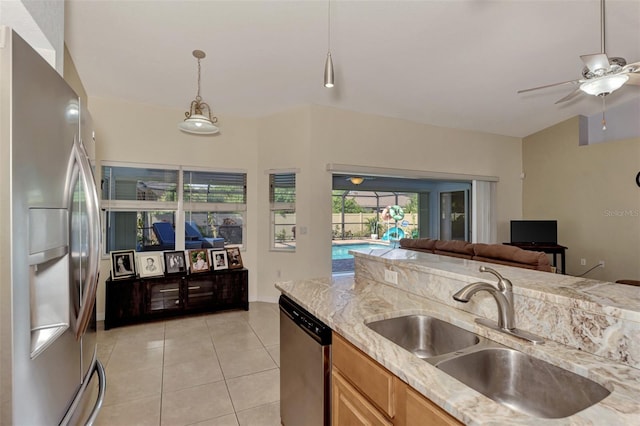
x: 554, y: 249
x: 136, y: 300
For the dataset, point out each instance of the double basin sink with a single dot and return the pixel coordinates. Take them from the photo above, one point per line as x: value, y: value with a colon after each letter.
x: 507, y: 376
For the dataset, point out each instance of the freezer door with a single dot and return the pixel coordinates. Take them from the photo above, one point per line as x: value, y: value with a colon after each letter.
x: 49, y: 271
x: 43, y: 376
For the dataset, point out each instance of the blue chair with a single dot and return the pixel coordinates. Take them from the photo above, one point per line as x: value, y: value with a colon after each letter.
x: 167, y: 237
x: 192, y: 233
x: 165, y: 234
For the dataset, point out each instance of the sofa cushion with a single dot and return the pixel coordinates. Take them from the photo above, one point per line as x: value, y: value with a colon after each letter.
x: 421, y: 244
x: 455, y: 248
x: 512, y: 256
x: 507, y: 263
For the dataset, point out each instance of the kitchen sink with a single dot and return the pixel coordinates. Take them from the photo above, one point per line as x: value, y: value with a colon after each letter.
x: 510, y: 377
x: 424, y: 336
x: 524, y: 383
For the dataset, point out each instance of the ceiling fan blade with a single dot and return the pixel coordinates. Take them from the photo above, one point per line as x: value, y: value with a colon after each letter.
x: 569, y: 96
x: 634, y: 78
x: 596, y: 61
x: 549, y: 85
x: 634, y: 67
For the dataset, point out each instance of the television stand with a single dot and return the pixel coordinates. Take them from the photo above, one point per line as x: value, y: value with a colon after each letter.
x: 553, y: 249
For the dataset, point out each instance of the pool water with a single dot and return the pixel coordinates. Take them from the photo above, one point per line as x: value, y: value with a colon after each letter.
x: 341, y: 251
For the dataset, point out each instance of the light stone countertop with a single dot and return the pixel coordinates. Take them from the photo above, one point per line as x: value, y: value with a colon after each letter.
x: 346, y: 305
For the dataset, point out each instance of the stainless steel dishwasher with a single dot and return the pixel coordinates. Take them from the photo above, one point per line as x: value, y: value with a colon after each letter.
x: 305, y: 367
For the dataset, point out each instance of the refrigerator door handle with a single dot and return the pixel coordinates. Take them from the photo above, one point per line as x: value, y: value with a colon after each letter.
x: 93, y: 218
x: 102, y: 388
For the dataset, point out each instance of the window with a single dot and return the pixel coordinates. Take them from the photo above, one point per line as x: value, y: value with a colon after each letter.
x: 141, y: 206
x: 215, y: 204
x: 282, y: 199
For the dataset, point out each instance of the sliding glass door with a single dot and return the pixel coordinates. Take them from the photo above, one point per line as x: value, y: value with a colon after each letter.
x: 454, y: 215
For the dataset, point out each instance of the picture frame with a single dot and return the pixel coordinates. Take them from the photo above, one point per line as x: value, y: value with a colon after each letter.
x: 174, y: 262
x: 123, y: 264
x: 234, y: 258
x: 198, y: 261
x: 219, y: 259
x: 150, y: 264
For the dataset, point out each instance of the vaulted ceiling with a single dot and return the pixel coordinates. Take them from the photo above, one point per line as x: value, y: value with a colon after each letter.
x: 453, y: 63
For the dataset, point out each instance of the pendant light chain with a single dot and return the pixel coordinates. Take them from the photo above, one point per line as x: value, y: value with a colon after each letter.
x: 198, y: 98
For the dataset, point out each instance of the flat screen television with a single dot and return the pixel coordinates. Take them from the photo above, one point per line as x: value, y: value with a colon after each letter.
x: 534, y: 232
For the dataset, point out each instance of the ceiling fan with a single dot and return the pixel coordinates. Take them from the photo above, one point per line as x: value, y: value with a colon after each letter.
x: 357, y: 180
x: 601, y: 75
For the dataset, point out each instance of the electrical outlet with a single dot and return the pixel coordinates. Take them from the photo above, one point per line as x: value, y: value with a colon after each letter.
x: 583, y: 262
x: 391, y: 276
x: 601, y: 263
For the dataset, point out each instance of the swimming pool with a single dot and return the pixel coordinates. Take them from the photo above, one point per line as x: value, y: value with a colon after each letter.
x: 341, y: 251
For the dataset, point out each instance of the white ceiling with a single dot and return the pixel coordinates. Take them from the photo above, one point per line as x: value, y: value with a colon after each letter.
x: 455, y: 63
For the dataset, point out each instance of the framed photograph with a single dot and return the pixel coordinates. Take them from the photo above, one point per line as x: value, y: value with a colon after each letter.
x: 123, y: 264
x: 234, y: 258
x: 198, y: 260
x: 174, y: 262
x: 219, y: 259
x: 150, y: 264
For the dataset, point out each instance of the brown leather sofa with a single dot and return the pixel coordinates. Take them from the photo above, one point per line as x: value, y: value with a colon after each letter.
x: 492, y: 253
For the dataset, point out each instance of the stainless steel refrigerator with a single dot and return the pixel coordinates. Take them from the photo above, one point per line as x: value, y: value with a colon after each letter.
x: 49, y: 246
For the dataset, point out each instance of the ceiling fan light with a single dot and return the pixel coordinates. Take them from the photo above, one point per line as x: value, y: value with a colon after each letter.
x: 199, y: 125
x: 604, y: 85
x: 356, y: 180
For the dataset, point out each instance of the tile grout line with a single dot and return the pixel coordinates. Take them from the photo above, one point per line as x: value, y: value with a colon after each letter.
x: 224, y: 377
x: 164, y: 349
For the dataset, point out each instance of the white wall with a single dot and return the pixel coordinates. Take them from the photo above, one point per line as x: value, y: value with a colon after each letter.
x: 591, y: 191
x: 283, y: 143
x: 305, y: 138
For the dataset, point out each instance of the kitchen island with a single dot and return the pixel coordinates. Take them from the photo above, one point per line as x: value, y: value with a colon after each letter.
x: 590, y: 328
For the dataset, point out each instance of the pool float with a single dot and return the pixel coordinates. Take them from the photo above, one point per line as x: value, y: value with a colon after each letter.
x: 396, y: 213
x: 385, y: 214
x: 393, y: 234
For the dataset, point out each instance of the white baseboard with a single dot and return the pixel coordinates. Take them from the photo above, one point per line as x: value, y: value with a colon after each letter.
x: 268, y: 299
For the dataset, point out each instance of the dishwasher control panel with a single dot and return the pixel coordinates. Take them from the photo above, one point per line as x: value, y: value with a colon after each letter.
x: 304, y: 319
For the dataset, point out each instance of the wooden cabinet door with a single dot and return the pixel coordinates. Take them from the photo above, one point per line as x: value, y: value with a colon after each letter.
x: 372, y: 379
x: 415, y: 409
x: 350, y: 408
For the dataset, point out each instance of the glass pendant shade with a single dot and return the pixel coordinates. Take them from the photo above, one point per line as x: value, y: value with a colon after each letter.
x: 356, y: 180
x: 198, y: 124
x: 604, y: 85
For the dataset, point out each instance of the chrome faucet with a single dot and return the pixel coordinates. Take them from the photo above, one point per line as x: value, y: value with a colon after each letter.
x: 503, y: 294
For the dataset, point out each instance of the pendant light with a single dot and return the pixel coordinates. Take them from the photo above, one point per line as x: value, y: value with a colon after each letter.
x: 328, y: 65
x: 196, y: 121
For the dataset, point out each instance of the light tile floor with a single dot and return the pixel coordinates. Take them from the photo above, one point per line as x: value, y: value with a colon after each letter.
x: 216, y: 369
